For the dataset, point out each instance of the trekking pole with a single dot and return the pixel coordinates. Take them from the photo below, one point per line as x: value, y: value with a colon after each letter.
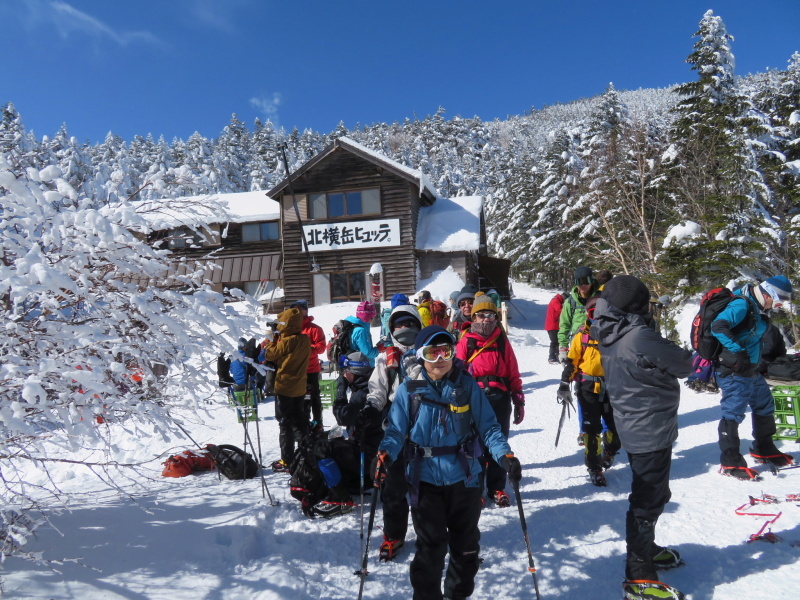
x: 264, y: 488
x: 362, y: 572
x: 531, y: 565
x: 361, y: 503
x: 566, y: 404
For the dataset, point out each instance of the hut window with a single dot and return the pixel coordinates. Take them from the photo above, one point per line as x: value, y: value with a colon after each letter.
x: 258, y: 232
x: 346, y: 204
x: 183, y: 237
x: 347, y: 287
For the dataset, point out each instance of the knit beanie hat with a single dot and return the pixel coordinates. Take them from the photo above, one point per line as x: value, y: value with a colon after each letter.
x: 779, y: 287
x: 431, y: 334
x: 366, y: 311
x: 464, y: 296
x: 628, y: 294
x: 469, y: 289
x: 399, y: 300
x: 302, y: 304
x: 483, y: 302
x: 357, y: 363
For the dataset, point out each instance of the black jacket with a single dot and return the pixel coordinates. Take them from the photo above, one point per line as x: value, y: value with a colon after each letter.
x: 348, y: 412
x: 642, y: 370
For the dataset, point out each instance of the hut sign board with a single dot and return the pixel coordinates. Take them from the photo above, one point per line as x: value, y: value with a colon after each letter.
x: 382, y: 233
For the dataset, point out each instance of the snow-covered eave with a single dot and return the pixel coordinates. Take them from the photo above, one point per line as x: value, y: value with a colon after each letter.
x: 418, y: 178
x: 242, y: 207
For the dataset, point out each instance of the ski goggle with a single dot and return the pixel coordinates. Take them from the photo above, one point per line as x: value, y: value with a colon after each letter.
x: 583, y: 280
x: 486, y: 315
x: 434, y: 354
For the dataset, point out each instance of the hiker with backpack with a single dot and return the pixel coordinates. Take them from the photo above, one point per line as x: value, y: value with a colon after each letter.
x: 393, y: 366
x: 551, y: 324
x: 424, y: 307
x: 490, y: 359
x: 316, y: 336
x: 586, y: 369
x: 397, y: 300
x: 641, y: 369
x: 290, y: 352
x: 437, y: 421
x: 364, y: 427
x: 739, y: 328
x: 360, y: 337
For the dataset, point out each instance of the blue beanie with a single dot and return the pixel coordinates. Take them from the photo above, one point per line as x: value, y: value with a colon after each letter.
x: 431, y: 332
x: 782, y: 286
x: 399, y: 300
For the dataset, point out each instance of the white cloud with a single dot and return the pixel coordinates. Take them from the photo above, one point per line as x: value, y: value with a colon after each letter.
x: 268, y: 106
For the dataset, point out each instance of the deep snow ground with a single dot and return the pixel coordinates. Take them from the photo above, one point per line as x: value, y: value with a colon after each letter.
x: 201, y: 537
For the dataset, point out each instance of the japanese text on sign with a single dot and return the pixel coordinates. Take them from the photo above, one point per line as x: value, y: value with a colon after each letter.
x: 356, y: 234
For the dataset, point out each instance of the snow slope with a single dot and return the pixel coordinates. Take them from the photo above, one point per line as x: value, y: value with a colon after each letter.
x: 200, y: 537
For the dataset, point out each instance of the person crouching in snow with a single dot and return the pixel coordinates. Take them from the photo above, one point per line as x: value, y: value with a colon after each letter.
x: 586, y: 369
x: 432, y: 420
x: 642, y: 370
x: 490, y: 359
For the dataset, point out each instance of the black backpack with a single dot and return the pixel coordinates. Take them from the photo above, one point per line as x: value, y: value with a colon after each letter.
x: 341, y: 344
x: 784, y: 368
x: 712, y: 303
x: 233, y: 462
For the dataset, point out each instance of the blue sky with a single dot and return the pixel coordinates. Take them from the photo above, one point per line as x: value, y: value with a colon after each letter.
x: 173, y: 67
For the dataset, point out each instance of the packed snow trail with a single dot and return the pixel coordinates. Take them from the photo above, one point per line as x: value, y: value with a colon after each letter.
x: 201, y: 537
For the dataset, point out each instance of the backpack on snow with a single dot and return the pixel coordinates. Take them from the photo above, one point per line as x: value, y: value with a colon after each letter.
x: 784, y: 368
x: 712, y: 303
x: 233, y: 462
x: 341, y: 344
x: 440, y: 315
x: 188, y: 462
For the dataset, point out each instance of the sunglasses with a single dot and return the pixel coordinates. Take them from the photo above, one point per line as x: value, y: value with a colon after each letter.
x: 486, y: 315
x: 465, y: 303
x: 583, y: 280
x: 434, y: 354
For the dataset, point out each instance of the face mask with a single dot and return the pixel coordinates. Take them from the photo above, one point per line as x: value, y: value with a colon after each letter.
x: 405, y: 336
x: 484, y: 328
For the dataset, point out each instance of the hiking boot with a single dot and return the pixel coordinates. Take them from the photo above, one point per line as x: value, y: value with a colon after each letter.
x: 667, y: 558
x: 597, y: 478
x: 501, y: 499
x: 643, y: 589
x: 581, y: 441
x: 742, y: 473
x: 280, y: 467
x: 330, y: 508
x: 778, y: 459
x: 607, y: 459
x: 552, y: 361
x: 389, y: 548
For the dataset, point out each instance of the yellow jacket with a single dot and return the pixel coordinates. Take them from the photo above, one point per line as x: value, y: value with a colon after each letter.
x: 584, y: 354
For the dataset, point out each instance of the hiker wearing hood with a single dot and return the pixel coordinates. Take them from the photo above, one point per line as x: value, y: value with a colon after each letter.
x: 290, y: 352
x: 316, y: 336
x: 392, y: 367
x: 641, y: 370
x: 361, y: 337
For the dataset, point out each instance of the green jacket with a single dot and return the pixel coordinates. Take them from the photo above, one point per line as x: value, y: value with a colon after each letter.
x: 573, y: 315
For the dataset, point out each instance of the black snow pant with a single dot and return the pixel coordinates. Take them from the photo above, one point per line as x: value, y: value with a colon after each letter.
x: 594, y: 410
x: 395, y: 502
x: 553, y: 354
x: 293, y: 424
x: 312, y: 388
x: 493, y: 474
x: 649, y: 494
x: 446, y: 519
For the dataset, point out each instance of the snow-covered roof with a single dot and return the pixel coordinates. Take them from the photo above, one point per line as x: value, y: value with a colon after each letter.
x: 417, y: 177
x: 243, y: 207
x: 450, y: 224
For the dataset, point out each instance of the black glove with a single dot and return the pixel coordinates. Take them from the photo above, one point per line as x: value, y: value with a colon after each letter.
x: 370, y: 414
x: 563, y: 394
x: 739, y: 363
x: 513, y: 467
x: 380, y: 466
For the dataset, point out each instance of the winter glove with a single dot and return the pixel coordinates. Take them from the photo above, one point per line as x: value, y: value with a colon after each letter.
x: 562, y: 356
x: 739, y: 363
x: 380, y: 465
x: 563, y: 394
x: 513, y: 467
x: 370, y: 415
x: 518, y: 398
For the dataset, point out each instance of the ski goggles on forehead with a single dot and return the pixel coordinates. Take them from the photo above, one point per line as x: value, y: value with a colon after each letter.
x: 434, y: 354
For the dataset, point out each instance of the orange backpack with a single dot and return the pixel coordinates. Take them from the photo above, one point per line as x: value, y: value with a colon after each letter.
x: 440, y: 314
x: 188, y: 462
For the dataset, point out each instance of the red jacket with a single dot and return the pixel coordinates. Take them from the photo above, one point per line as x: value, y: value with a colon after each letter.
x: 318, y: 344
x: 553, y: 313
x: 494, y: 367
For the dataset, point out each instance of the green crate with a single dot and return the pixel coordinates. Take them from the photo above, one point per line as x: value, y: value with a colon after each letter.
x: 327, y: 391
x: 246, y: 403
x: 787, y: 411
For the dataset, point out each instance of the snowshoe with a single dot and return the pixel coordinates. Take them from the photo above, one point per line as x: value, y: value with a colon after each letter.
x: 389, y: 548
x: 641, y: 589
x: 779, y: 460
x: 742, y: 473
x: 329, y: 509
x: 597, y: 478
x: 280, y: 467
x: 667, y: 558
x: 501, y: 499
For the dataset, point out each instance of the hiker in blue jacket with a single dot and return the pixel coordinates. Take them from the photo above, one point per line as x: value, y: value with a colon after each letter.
x: 739, y: 327
x: 438, y: 420
x: 360, y: 336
